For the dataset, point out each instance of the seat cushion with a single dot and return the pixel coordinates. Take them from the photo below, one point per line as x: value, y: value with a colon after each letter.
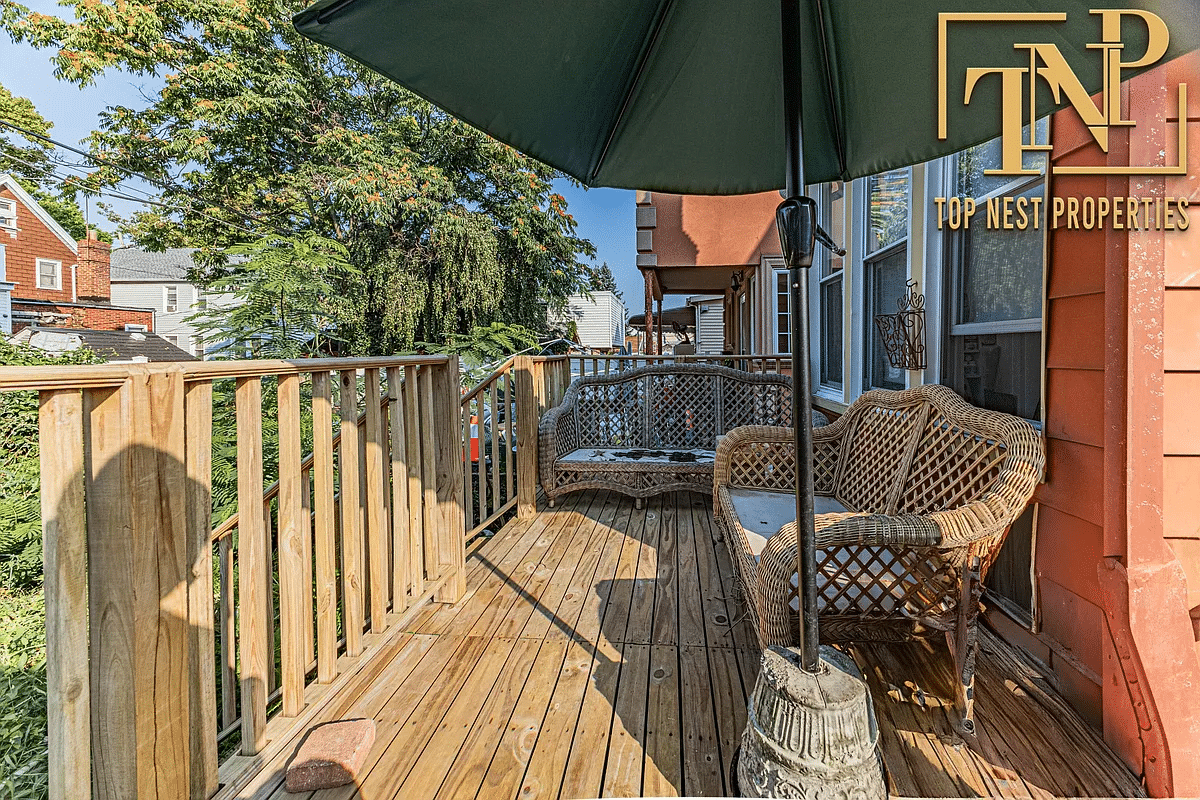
x: 625, y: 459
x: 762, y: 514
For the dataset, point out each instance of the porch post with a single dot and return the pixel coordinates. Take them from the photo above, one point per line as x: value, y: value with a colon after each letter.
x: 648, y: 348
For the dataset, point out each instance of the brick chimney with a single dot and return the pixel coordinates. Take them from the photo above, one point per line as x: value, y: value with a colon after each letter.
x: 94, y: 282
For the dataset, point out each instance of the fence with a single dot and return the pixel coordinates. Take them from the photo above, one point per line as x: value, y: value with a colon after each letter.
x: 153, y: 655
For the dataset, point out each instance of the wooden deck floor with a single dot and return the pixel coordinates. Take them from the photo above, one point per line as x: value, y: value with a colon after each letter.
x: 601, y: 651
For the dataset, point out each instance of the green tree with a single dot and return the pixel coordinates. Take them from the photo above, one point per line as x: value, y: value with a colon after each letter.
x: 287, y: 306
x: 601, y: 279
x: 447, y: 229
x: 29, y: 162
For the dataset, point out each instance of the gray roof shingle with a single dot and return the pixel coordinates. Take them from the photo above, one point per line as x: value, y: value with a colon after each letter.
x: 136, y: 264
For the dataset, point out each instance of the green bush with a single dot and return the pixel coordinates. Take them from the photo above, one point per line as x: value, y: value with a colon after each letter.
x: 22, y: 606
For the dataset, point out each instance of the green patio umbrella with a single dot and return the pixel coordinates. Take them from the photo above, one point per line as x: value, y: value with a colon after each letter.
x: 736, y: 96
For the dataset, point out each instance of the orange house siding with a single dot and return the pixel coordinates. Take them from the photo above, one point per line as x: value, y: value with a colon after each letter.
x: 715, y: 231
x: 1118, y: 543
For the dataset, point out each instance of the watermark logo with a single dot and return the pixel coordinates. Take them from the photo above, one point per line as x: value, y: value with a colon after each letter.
x: 1046, y: 63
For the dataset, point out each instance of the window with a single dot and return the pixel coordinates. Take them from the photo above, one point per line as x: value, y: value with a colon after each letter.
x: 8, y: 214
x: 173, y: 340
x: 993, y: 337
x: 170, y: 299
x: 198, y: 346
x: 49, y: 274
x: 133, y: 326
x: 832, y: 219
x: 783, y: 313
x: 885, y: 270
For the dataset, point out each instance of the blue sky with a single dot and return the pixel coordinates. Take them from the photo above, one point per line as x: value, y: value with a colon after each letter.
x: 605, y: 216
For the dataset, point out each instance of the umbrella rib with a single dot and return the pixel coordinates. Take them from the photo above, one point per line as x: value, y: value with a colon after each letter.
x: 659, y: 24
x: 835, y: 112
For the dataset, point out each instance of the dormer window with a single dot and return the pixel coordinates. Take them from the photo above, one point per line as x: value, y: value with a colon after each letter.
x: 49, y: 274
x: 8, y: 214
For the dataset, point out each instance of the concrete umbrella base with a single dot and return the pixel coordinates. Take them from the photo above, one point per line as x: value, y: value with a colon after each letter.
x: 810, y: 735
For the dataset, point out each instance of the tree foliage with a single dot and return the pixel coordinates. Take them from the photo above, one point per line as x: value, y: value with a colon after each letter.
x: 446, y: 228
x: 20, y: 501
x: 29, y: 162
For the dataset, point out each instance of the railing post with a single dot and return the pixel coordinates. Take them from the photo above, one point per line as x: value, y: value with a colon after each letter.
x: 202, y: 649
x: 527, y: 432
x: 64, y: 554
x: 136, y: 498
x: 450, y: 532
x: 252, y: 566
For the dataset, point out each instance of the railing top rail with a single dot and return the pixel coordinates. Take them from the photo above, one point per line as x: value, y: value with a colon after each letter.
x: 483, y: 384
x: 91, y: 376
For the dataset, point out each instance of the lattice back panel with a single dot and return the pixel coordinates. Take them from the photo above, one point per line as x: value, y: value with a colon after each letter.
x: 683, y: 410
x: 825, y: 461
x: 875, y: 455
x: 611, y: 415
x: 878, y: 582
x: 952, y: 466
x: 755, y: 404
x: 764, y: 465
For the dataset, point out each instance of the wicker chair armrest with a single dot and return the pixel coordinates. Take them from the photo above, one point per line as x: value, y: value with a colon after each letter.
x: 556, y: 437
x: 744, y: 449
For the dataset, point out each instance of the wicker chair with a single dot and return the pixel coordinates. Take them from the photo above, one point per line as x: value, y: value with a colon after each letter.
x: 652, y: 429
x: 915, y: 491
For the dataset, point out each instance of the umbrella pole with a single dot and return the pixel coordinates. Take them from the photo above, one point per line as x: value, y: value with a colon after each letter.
x: 799, y: 260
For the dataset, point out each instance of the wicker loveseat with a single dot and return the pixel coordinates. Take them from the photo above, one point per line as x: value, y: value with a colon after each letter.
x: 915, y: 492
x: 652, y: 429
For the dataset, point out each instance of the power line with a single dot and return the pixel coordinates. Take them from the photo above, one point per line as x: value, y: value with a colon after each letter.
x: 165, y: 186
x: 145, y: 201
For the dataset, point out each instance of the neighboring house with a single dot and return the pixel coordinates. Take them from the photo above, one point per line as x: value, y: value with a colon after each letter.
x: 599, y: 320
x: 708, y: 331
x: 161, y: 281
x: 48, y: 278
x: 117, y: 347
x: 1094, y: 335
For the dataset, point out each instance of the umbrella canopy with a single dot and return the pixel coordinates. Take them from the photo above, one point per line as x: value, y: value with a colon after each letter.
x: 686, y: 95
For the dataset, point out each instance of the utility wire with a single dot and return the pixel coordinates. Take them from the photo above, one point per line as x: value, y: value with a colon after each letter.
x: 143, y: 200
x: 165, y: 186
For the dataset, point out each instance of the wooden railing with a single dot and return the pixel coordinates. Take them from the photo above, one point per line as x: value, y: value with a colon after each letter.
x: 153, y: 659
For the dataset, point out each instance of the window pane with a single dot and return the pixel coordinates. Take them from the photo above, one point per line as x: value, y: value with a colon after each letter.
x: 888, y: 207
x: 783, y: 323
x: 999, y: 371
x: 831, y: 332
x: 1000, y: 272
x: 970, y: 180
x: 885, y: 285
x: 833, y: 219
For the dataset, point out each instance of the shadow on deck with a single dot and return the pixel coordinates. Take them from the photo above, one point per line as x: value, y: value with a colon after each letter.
x: 603, y: 651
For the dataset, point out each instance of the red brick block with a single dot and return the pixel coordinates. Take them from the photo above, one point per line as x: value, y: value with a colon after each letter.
x: 331, y: 755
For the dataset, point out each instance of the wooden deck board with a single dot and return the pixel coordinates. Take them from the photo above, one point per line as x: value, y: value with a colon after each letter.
x: 602, y: 650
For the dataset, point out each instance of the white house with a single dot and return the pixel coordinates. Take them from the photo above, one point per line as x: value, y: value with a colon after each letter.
x: 160, y: 281
x: 709, y: 327
x: 599, y: 319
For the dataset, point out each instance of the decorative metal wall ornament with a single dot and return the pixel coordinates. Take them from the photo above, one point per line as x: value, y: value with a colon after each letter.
x: 903, y: 333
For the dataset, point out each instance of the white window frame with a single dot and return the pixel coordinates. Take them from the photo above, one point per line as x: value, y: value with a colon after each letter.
x: 37, y: 264
x: 168, y: 307
x: 8, y: 221
x: 817, y: 279
x: 867, y: 331
x: 134, y: 327
x: 946, y: 301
